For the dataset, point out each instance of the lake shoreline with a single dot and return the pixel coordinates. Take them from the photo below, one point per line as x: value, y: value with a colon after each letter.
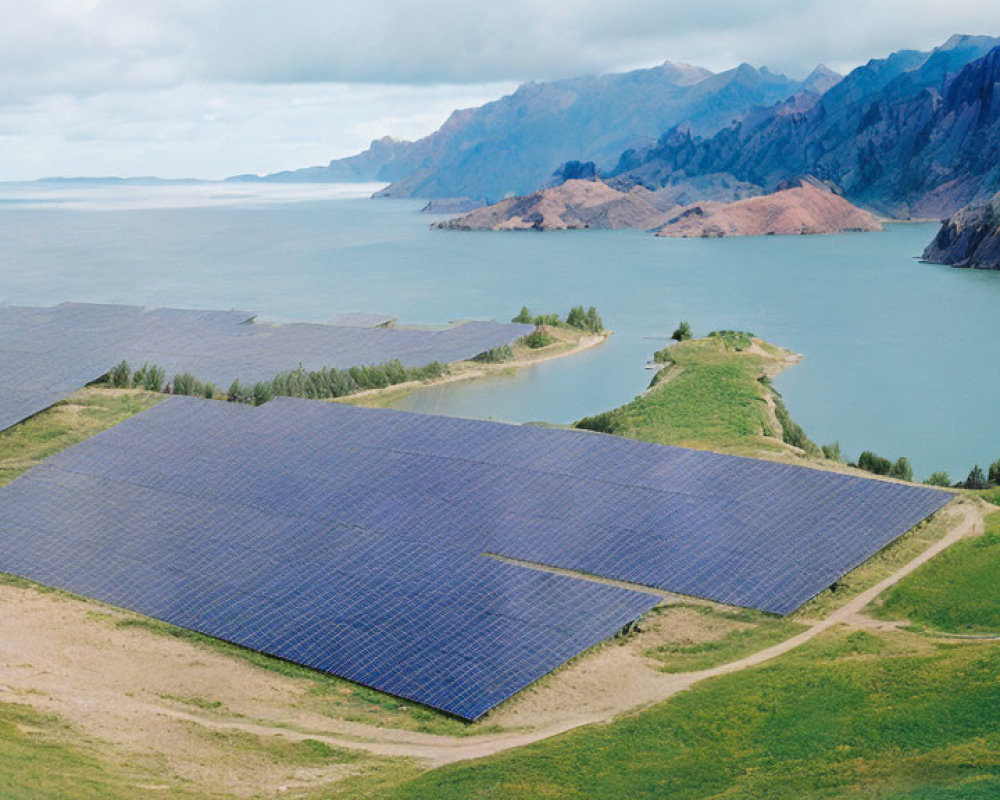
x: 462, y: 371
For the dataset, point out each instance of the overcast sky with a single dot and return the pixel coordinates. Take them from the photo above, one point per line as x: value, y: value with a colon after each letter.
x: 209, y: 88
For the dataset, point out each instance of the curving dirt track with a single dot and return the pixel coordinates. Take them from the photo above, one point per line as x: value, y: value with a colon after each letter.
x: 615, y: 680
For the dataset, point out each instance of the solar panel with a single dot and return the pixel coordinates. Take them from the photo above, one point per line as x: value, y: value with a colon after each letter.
x: 357, y: 541
x: 46, y: 353
x: 362, y: 319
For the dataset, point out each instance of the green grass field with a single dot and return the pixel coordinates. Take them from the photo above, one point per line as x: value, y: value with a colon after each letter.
x: 850, y: 715
x: 957, y: 591
x: 710, y: 396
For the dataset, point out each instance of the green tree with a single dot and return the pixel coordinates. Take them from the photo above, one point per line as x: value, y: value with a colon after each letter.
x: 525, y: 316
x: 577, y: 317
x: 237, y: 392
x: 902, y: 469
x: 683, y: 332
x: 153, y: 377
x: 594, y: 322
x: 976, y: 479
x: 121, y: 375
x: 994, y: 474
x: 262, y: 393
x: 832, y: 452
x: 938, y: 479
x: 870, y: 462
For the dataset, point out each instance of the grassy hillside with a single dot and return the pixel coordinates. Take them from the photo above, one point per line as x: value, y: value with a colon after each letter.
x: 711, y: 393
x: 958, y: 591
x: 851, y: 715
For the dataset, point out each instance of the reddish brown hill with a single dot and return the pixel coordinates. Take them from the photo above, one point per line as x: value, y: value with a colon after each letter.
x: 575, y: 204
x: 807, y: 208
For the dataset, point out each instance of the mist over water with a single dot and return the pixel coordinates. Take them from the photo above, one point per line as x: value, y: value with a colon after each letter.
x: 899, y: 356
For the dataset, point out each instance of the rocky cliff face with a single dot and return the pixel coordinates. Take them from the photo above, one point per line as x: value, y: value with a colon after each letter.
x: 969, y: 238
x: 573, y: 205
x: 912, y: 135
x: 809, y: 208
x: 512, y: 145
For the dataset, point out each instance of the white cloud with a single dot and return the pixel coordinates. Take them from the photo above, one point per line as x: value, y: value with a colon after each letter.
x: 209, y: 87
x: 211, y: 130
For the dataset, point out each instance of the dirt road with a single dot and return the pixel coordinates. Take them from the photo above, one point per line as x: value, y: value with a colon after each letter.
x: 435, y: 750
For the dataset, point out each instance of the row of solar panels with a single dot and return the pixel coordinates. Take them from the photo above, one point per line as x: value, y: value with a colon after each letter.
x: 46, y: 353
x: 358, y: 541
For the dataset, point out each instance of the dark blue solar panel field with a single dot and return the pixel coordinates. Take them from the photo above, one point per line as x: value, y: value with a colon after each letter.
x: 358, y: 541
x: 46, y: 353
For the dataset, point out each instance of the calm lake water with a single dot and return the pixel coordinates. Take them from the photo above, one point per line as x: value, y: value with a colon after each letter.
x: 899, y: 355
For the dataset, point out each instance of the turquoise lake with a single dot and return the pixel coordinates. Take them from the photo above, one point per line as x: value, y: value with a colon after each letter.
x: 899, y: 356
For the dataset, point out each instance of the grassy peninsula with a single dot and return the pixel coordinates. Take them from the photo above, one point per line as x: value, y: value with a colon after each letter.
x: 715, y: 394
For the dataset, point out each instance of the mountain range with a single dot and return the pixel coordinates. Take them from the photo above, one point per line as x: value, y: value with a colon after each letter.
x: 512, y: 145
x: 913, y: 135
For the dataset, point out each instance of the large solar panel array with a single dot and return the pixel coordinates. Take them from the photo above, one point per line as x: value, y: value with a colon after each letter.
x: 46, y: 353
x: 356, y: 540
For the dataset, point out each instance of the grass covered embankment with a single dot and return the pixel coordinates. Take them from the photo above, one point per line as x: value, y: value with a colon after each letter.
x: 956, y: 592
x: 712, y: 393
x: 84, y: 414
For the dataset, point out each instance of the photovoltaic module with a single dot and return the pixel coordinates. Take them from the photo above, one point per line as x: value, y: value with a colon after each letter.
x: 363, y: 542
x: 47, y: 353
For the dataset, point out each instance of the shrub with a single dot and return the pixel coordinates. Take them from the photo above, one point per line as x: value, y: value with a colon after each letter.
x: 238, y: 393
x: 737, y: 340
x: 496, y: 356
x: 548, y: 319
x: 537, y: 338
x: 524, y: 316
x: 262, y: 393
x: 902, y: 469
x: 682, y: 333
x: 149, y: 377
x: 938, y: 479
x: 208, y: 390
x: 186, y: 384
x: 993, y: 478
x: 663, y: 356
x: 588, y: 320
x: 594, y: 323
x: 976, y: 479
x: 120, y: 375
x: 832, y: 451
x: 577, y: 317
x: 607, y: 422
x: 877, y: 465
x: 429, y: 372
x: 791, y: 432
